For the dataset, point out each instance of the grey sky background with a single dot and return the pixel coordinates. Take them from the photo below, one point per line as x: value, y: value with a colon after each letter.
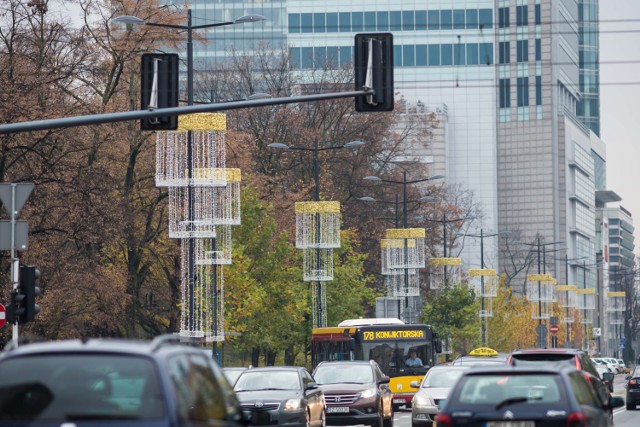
x: 620, y: 99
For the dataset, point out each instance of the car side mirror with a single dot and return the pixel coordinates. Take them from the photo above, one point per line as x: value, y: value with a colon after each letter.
x: 616, y: 402
x: 607, y: 376
x: 414, y: 384
x: 628, y: 377
x: 311, y: 385
x: 384, y: 380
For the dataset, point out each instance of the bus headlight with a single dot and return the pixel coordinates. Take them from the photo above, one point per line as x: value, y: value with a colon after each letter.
x: 292, y: 405
x: 368, y: 393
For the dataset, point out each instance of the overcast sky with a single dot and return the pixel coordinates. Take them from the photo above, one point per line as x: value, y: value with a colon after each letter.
x: 620, y: 99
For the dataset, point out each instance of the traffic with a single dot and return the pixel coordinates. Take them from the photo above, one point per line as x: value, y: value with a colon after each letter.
x: 359, y: 377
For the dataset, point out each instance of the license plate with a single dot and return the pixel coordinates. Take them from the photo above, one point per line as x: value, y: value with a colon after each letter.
x: 399, y: 401
x: 510, y: 424
x: 337, y: 409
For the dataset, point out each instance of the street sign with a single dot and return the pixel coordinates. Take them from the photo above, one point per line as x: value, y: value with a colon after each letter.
x: 553, y: 320
x: 3, y: 315
x: 22, y: 191
x: 21, y: 242
x: 554, y: 329
x: 597, y: 332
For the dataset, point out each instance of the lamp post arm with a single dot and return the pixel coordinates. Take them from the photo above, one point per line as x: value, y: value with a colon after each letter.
x: 180, y: 27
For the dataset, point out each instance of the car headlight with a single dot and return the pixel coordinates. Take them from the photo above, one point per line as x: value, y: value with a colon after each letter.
x: 292, y: 405
x: 419, y: 401
x: 368, y: 393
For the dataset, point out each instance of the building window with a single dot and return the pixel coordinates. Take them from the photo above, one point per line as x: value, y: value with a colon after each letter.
x: 357, y: 22
x: 306, y: 22
x: 446, y: 19
x: 458, y: 19
x: 383, y: 21
x: 505, y: 93
x: 472, y: 54
x: 332, y: 57
x: 408, y: 23
x: 472, y: 19
x: 446, y: 54
x: 370, y: 21
x: 503, y: 17
x: 522, y: 50
x: 538, y: 50
x: 319, y: 23
x: 434, y: 54
x: 523, y: 91
x: 458, y: 54
x: 538, y: 90
x: 395, y: 20
x: 485, y: 18
x: 345, y: 22
x: 345, y: 55
x: 538, y: 15
x: 307, y: 57
x: 433, y: 21
x: 332, y: 22
x: 504, y: 50
x: 486, y: 53
x: 319, y: 57
x: 294, y: 57
x: 522, y: 15
x: 408, y: 55
x: 421, y: 20
x: 397, y: 56
x: 421, y: 55
x: 294, y: 23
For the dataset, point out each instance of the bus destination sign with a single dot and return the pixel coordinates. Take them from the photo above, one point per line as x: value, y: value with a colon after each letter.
x: 393, y: 334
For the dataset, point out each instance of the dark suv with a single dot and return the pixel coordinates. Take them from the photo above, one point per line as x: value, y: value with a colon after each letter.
x: 633, y: 389
x: 355, y: 392
x: 124, y: 383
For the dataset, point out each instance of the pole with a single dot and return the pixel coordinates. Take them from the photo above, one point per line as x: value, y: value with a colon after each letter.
x: 15, y: 264
x: 567, y: 343
x: 539, y: 300
x: 398, y: 226
x: 584, y: 286
x: 444, y: 243
x: 484, y: 317
x: 191, y: 243
x: 406, y: 243
x: 316, y: 176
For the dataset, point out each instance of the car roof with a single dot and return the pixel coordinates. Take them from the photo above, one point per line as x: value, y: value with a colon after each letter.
x: 548, y: 351
x: 346, y: 362
x: 514, y: 370
x: 275, y: 368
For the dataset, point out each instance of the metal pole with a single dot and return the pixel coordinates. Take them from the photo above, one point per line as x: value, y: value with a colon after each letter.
x: 567, y: 343
x: 191, y: 242
x: 398, y: 226
x: 316, y: 175
x: 406, y: 248
x: 444, y: 243
x: 584, y: 286
x: 214, y: 304
x: 14, y: 265
x: 539, y: 301
x: 484, y: 317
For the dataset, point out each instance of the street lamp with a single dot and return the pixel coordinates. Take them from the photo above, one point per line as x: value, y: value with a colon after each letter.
x: 320, y: 302
x: 404, y: 183
x: 133, y: 20
x: 483, y: 327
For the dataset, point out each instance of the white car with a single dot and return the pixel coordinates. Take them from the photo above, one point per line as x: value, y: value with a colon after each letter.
x: 623, y: 367
x: 612, y: 368
x: 613, y: 364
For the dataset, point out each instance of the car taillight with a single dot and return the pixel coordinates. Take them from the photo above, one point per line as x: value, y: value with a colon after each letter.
x: 576, y: 419
x: 444, y: 420
x: 578, y: 365
x: 632, y: 382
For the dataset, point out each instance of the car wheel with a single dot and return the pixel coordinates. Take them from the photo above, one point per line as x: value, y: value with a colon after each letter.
x: 388, y: 422
x: 379, y: 422
x: 307, y: 417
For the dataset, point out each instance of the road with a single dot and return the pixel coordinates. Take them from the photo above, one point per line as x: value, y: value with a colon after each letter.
x: 621, y: 417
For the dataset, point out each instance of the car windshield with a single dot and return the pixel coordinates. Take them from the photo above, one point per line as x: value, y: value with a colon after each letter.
x: 536, y: 358
x: 232, y: 374
x: 79, y: 387
x: 502, y: 390
x: 253, y: 380
x: 336, y: 374
x: 443, y: 378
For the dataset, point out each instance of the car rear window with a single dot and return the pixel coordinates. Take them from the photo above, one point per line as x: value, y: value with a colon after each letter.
x: 336, y: 374
x: 494, y: 389
x: 533, y: 359
x: 73, y: 387
x: 443, y: 378
x: 267, y: 380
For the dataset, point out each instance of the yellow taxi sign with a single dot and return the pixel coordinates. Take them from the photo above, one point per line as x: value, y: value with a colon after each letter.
x: 483, y: 352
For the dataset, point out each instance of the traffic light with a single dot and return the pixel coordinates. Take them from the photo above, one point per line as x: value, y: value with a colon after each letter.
x: 159, y: 89
x: 373, y: 61
x: 28, y: 277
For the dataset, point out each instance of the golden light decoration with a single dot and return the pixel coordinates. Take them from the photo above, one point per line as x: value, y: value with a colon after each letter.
x: 445, y: 262
x: 317, y: 225
x: 399, y: 285
x: 547, y: 278
x: 488, y: 308
x: 317, y: 265
x: 615, y: 306
x: 403, y: 248
x: 541, y: 310
x: 478, y: 272
x: 206, y: 254
x: 566, y: 296
x: 207, y: 152
x: 314, y: 303
x: 586, y: 299
x: 541, y: 291
x: 207, y: 298
x: 487, y: 285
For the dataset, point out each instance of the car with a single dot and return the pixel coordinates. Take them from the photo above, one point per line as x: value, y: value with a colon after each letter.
x: 356, y: 392
x: 526, y: 396
x: 481, y: 356
x: 602, y: 383
x: 623, y: 366
x: 433, y: 391
x: 281, y: 395
x: 633, y: 389
x: 159, y: 383
x: 613, y: 363
x: 232, y: 373
x: 612, y: 366
x: 603, y: 369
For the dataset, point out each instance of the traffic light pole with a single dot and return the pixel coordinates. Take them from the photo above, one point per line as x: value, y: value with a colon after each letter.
x: 15, y: 264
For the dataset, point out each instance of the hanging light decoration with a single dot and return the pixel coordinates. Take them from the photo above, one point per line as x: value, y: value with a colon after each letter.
x: 541, y: 287
x: 207, y: 299
x: 404, y: 248
x: 395, y: 283
x: 437, y: 270
x: 586, y: 299
x: 567, y: 300
x: 487, y: 287
x: 541, y: 310
x: 317, y: 265
x: 226, y: 200
x: 616, y: 307
x: 203, y: 224
x: 317, y: 225
x: 207, y: 152
x: 314, y: 303
x: 206, y: 254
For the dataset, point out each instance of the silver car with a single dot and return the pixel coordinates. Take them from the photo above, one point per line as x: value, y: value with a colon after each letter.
x: 435, y: 386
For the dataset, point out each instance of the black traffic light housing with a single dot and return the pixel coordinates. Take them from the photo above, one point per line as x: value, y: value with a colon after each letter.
x: 374, y: 54
x: 23, y: 307
x: 159, y: 89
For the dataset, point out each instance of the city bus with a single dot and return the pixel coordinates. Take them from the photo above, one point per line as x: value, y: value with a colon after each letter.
x: 388, y: 342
